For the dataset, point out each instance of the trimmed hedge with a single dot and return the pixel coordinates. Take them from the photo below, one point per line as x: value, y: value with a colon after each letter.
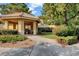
x: 11, y: 38
x: 8, y: 32
x: 45, y: 29
x: 42, y: 30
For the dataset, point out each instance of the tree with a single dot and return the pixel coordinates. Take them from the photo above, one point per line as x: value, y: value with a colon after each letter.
x: 62, y: 11
x: 13, y: 7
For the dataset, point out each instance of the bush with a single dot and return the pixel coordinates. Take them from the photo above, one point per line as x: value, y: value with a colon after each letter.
x: 11, y: 38
x: 77, y: 30
x: 70, y: 31
x: 45, y: 29
x: 67, y: 32
x: 72, y: 40
x: 62, y: 40
x: 8, y: 32
x: 68, y: 40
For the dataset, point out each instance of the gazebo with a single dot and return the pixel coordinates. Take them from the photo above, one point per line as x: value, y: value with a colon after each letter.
x: 20, y: 21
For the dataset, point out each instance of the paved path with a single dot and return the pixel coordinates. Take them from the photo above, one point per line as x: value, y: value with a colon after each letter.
x: 40, y: 39
x: 42, y: 48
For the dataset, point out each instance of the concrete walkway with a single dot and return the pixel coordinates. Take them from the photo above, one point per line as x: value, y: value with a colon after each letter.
x: 40, y: 39
x: 43, y: 47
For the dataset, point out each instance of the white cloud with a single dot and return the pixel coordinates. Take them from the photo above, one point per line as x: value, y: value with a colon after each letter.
x: 34, y: 12
x: 32, y: 6
x: 37, y: 4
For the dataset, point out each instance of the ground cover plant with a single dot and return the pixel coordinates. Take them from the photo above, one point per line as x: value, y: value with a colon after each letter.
x: 8, y: 32
x: 11, y: 38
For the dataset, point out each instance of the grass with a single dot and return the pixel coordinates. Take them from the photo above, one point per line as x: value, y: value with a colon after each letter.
x: 53, y: 35
x: 66, y: 40
x: 49, y: 35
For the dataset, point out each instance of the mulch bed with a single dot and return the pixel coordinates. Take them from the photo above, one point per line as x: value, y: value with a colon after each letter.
x: 19, y: 44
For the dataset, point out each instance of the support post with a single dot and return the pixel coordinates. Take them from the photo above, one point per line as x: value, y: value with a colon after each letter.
x: 21, y: 27
x: 34, y: 28
x: 6, y: 24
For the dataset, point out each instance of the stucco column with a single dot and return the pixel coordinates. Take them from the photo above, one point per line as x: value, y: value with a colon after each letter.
x: 34, y: 28
x: 6, y: 24
x: 21, y: 27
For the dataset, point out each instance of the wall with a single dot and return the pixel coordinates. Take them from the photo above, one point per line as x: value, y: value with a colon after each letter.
x: 11, y: 26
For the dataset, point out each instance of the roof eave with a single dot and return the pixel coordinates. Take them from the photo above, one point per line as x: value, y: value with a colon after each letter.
x: 34, y: 19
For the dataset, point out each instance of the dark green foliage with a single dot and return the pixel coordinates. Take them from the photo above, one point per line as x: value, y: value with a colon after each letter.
x: 8, y: 32
x: 62, y: 33
x: 67, y: 32
x: 13, y: 7
x: 70, y: 31
x: 11, y: 38
x: 44, y: 29
x: 77, y: 30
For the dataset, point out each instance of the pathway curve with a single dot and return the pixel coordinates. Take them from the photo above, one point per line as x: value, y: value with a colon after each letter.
x: 40, y: 39
x: 43, y: 47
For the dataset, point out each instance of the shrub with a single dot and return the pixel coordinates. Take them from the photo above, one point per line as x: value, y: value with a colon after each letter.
x: 72, y: 40
x: 68, y: 40
x: 70, y: 31
x: 77, y: 30
x: 11, y: 38
x: 62, y: 40
x: 8, y: 32
x: 44, y: 29
x: 67, y: 32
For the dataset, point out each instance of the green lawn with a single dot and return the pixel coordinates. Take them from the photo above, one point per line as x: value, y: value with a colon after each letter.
x: 53, y: 36
x: 49, y: 35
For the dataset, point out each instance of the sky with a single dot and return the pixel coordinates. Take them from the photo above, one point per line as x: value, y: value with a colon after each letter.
x: 36, y: 8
